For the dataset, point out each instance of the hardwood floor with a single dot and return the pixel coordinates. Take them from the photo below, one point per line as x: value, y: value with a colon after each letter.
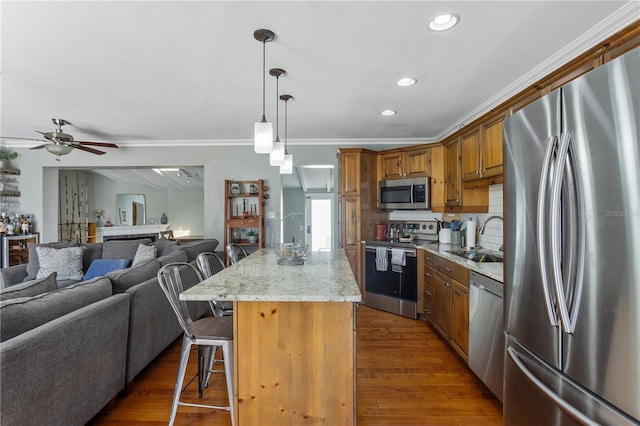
x: 406, y: 375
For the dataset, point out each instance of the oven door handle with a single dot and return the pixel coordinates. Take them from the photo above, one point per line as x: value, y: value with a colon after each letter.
x: 410, y: 252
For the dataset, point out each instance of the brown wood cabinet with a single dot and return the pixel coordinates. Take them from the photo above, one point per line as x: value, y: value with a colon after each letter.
x: 438, y: 185
x: 425, y: 286
x: 471, y: 156
x: 482, y: 155
x: 358, y: 204
x: 453, y: 173
x: 459, y: 327
x: 451, y: 303
x: 492, y: 149
x: 406, y: 163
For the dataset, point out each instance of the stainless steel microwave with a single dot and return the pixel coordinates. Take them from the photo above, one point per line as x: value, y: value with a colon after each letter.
x: 404, y: 194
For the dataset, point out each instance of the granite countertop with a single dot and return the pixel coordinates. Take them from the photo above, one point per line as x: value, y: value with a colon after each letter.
x: 490, y: 269
x: 324, y: 277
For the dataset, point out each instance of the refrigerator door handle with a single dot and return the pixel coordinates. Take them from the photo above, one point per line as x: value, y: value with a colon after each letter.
x: 564, y: 405
x: 564, y: 155
x: 541, y: 220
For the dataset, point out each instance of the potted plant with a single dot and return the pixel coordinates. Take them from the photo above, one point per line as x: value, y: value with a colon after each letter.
x: 99, y: 214
x: 252, y: 236
x: 5, y: 156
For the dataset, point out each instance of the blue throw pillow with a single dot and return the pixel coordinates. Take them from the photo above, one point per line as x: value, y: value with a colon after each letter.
x: 100, y: 267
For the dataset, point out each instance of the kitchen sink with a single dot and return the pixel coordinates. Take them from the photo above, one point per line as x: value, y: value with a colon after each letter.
x: 477, y: 255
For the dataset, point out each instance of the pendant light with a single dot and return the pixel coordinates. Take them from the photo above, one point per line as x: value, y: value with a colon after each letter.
x: 276, y: 158
x: 287, y: 166
x: 263, y: 130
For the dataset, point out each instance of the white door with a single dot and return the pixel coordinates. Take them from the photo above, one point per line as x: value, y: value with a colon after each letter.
x: 319, y: 221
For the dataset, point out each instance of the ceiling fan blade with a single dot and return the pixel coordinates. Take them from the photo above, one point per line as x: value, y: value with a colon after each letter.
x: 39, y: 146
x: 84, y: 148
x: 104, y: 144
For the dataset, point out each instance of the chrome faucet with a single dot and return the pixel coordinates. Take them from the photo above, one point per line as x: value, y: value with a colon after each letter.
x: 484, y: 225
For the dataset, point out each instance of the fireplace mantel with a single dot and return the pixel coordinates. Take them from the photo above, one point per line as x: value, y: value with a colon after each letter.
x: 122, y: 232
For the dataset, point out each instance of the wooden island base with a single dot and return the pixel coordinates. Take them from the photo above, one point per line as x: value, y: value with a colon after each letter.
x: 294, y: 363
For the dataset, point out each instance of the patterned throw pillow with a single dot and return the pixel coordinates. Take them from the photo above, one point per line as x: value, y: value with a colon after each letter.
x: 67, y: 262
x: 143, y: 253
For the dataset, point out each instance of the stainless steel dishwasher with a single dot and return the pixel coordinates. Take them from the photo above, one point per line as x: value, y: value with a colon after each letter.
x: 486, y: 335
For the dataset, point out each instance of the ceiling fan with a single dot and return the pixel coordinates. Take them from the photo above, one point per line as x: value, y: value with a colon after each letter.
x: 60, y: 143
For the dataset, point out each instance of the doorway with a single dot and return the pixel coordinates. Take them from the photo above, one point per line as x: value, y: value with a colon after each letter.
x: 318, y: 220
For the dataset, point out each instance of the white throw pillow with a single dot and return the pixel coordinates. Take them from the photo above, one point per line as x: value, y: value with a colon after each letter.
x: 67, y: 262
x: 144, y: 253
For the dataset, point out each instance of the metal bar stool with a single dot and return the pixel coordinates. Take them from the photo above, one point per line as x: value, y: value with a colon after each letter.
x: 207, y: 334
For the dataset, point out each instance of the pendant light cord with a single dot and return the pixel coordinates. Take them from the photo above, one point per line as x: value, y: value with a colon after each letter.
x: 277, y: 109
x: 285, y: 127
x: 264, y: 80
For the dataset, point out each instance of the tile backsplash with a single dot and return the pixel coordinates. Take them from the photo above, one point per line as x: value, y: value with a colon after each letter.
x: 492, y: 238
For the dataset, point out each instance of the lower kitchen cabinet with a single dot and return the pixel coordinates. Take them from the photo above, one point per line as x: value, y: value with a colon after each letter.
x: 459, y: 315
x: 425, y: 287
x: 451, y: 303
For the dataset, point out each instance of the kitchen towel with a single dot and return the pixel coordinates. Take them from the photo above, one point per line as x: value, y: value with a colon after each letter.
x: 398, y: 259
x: 382, y: 263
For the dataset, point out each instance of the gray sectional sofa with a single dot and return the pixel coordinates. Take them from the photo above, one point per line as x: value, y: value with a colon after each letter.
x: 67, y: 352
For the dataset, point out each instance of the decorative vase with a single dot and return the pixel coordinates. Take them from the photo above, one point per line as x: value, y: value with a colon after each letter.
x: 163, y: 219
x: 98, y: 223
x: 252, y: 238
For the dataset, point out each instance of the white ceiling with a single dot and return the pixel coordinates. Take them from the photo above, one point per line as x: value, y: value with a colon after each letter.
x: 185, y: 73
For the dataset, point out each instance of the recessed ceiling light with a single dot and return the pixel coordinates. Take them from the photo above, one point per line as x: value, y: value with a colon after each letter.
x: 444, y: 22
x: 404, y: 82
x: 388, y: 112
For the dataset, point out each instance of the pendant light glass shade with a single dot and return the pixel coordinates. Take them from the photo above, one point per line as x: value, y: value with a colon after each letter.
x: 263, y: 130
x: 287, y: 166
x: 276, y: 158
x: 263, y: 137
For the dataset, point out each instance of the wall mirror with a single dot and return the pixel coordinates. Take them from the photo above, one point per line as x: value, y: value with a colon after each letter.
x: 130, y: 209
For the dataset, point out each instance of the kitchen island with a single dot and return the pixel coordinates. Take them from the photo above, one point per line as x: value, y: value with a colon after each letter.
x: 294, y: 347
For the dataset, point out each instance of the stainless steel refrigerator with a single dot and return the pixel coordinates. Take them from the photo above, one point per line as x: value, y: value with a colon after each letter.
x: 572, y: 256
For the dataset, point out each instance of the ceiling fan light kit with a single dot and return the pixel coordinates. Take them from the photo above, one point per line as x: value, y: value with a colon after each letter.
x: 61, y: 143
x: 263, y: 130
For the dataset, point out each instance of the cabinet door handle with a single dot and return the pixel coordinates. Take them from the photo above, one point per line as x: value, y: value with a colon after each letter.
x: 460, y: 292
x: 446, y: 268
x: 428, y: 293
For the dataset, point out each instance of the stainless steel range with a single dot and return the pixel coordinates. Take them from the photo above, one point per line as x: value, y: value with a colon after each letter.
x: 391, y: 277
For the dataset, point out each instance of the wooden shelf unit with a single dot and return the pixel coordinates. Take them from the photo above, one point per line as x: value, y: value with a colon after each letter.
x: 237, y: 204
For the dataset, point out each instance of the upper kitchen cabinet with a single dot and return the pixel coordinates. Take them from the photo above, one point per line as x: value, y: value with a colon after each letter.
x: 405, y: 163
x: 453, y: 173
x: 471, y: 163
x: 438, y: 179
x: 492, y: 151
x: 482, y: 151
x: 349, y: 172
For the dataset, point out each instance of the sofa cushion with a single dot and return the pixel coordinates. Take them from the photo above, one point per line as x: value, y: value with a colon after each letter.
x: 34, y: 266
x: 23, y: 314
x: 31, y: 288
x: 165, y: 247
x: 126, y: 278
x: 92, y: 251
x: 101, y: 267
x: 122, y: 249
x: 67, y: 262
x: 194, y: 248
x: 174, y: 256
x: 143, y: 253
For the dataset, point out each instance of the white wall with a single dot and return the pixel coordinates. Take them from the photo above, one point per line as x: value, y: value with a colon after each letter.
x: 39, y: 177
